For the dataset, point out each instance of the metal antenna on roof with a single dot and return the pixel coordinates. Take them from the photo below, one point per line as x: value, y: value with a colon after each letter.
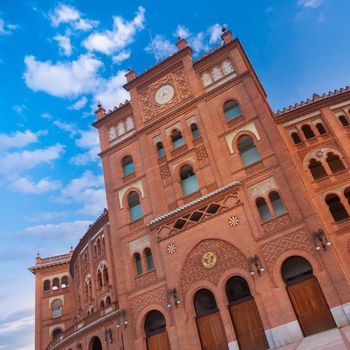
x: 153, y: 47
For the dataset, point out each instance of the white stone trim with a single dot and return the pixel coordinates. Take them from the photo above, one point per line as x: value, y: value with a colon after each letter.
x: 139, y: 244
x: 121, y: 193
x: 60, y: 297
x: 263, y: 188
x: 340, y: 104
x: 190, y: 159
x: 249, y: 127
x: 294, y: 121
x: 233, y: 345
x: 157, y: 139
x: 171, y: 128
x: 284, y: 334
x: 59, y: 325
x: 341, y: 314
x: 191, y: 120
x: 221, y: 81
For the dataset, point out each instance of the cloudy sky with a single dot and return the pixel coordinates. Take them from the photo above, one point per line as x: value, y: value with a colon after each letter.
x: 57, y: 59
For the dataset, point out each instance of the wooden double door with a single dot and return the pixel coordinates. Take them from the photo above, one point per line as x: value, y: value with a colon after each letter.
x: 310, y: 306
x: 159, y: 341
x: 211, y: 331
x: 248, y: 326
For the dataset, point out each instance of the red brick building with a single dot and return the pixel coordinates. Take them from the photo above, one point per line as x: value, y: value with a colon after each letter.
x: 227, y: 225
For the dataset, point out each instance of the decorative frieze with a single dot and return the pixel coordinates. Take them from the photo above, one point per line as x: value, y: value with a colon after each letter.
x: 139, y: 244
x: 217, y: 72
x: 121, y: 128
x: 262, y: 188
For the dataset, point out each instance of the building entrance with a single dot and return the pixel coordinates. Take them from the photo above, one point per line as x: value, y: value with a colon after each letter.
x: 156, y: 334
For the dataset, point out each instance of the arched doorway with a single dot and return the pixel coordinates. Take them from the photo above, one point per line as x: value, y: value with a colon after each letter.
x: 305, y: 293
x: 156, y: 334
x: 95, y: 344
x: 245, y: 316
x: 209, y: 323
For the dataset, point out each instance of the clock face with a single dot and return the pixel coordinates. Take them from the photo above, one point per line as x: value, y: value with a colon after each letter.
x: 164, y: 94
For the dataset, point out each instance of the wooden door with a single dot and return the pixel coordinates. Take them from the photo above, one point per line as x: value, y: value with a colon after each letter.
x: 159, y: 341
x: 248, y: 327
x: 310, y: 306
x: 212, y: 333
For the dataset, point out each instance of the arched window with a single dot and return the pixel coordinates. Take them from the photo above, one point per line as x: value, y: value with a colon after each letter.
x: 108, y: 301
x: 154, y: 323
x: 195, y: 131
x: 95, y: 344
x: 336, y: 207
x: 263, y: 209
x: 308, y: 132
x: 321, y: 129
x: 64, y: 282
x: 105, y: 275
x: 99, y: 278
x: 56, y: 332
x: 189, y: 182
x: 294, y: 268
x: 160, y: 149
x: 344, y: 120
x: 237, y: 289
x: 277, y: 203
x: 177, y: 139
x: 334, y: 163
x: 149, y: 259
x: 247, y: 150
x: 317, y: 169
x: 102, y: 304
x: 204, y: 302
x: 98, y: 246
x: 128, y: 165
x: 138, y: 264
x: 46, y: 285
x: 55, y: 283
x: 56, y: 308
x: 232, y: 110
x: 296, y: 138
x: 134, y: 204
x: 347, y: 194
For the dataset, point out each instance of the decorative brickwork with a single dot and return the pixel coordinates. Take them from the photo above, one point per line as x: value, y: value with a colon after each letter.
x: 164, y: 171
x: 228, y: 256
x: 276, y: 223
x: 201, y: 153
x: 155, y: 296
x: 297, y: 240
x: 146, y: 278
x: 178, y: 80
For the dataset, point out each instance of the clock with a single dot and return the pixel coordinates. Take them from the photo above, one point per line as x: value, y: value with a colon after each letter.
x: 164, y: 94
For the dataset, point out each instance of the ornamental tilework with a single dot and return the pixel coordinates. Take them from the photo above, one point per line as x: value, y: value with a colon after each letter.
x: 297, y: 240
x: 263, y: 187
x: 228, y: 256
x: 140, y: 302
x: 139, y: 244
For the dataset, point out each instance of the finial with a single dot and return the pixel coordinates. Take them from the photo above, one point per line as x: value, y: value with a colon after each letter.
x: 71, y: 248
x: 129, y: 69
x: 99, y: 104
x: 223, y: 29
x: 179, y: 38
x: 38, y: 254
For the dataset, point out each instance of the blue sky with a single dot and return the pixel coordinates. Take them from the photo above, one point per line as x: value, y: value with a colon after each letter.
x: 58, y: 58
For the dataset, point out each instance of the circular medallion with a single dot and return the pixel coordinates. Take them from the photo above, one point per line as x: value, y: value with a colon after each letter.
x: 171, y: 248
x: 233, y: 221
x: 164, y: 94
x: 209, y: 260
x: 319, y: 154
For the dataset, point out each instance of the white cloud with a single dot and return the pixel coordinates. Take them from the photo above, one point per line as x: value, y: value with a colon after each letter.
x: 46, y: 115
x: 89, y: 142
x: 19, y: 139
x: 17, y: 324
x: 87, y: 190
x: 121, y: 56
x: 64, y: 43
x: 310, y: 3
x: 182, y: 32
x: 6, y: 29
x: 121, y: 35
x: 25, y: 185
x: 72, y: 230
x: 111, y: 92
x: 81, y: 103
x: 67, y: 14
x: 71, y: 128
x: 63, y: 79
x: 19, y: 109
x: 162, y: 46
x: 199, y: 42
x: 16, y: 162
x: 215, y: 32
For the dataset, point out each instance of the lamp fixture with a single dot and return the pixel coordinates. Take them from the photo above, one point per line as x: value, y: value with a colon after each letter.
x: 254, y: 262
x: 320, y: 240
x: 169, y: 293
x: 122, y: 316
